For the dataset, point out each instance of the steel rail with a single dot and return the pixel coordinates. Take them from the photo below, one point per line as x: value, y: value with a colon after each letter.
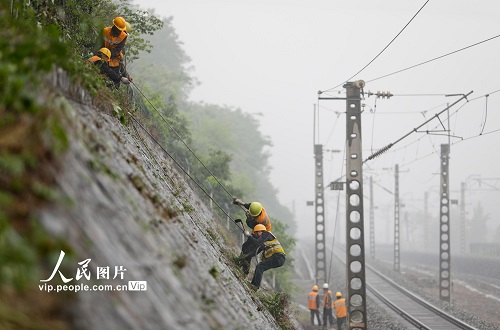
x: 456, y: 322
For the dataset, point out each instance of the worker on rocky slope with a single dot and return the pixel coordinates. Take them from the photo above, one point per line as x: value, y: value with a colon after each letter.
x: 256, y: 214
x: 273, y: 255
x: 101, y: 60
x: 115, y: 38
x: 313, y: 304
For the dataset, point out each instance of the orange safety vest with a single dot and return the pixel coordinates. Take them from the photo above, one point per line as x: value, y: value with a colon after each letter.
x: 95, y: 59
x: 327, y: 300
x: 311, y: 300
x: 263, y: 219
x: 111, y: 42
x: 339, y: 305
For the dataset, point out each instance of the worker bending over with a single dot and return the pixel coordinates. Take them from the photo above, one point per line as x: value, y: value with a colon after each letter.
x: 273, y: 255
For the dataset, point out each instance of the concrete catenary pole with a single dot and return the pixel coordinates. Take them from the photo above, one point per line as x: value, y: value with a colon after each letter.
x: 355, y: 249
x: 444, y: 228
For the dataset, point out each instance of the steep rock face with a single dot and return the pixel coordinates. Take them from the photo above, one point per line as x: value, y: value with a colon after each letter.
x: 122, y: 204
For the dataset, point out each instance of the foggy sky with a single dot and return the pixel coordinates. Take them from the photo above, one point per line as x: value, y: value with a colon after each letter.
x: 272, y: 57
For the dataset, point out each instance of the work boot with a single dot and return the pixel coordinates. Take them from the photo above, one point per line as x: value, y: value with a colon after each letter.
x: 253, y: 287
x: 245, y: 266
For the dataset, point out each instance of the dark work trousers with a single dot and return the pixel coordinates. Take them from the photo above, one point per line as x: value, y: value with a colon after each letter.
x: 313, y: 313
x: 116, y: 69
x: 275, y: 261
x: 327, y: 315
x: 340, y: 321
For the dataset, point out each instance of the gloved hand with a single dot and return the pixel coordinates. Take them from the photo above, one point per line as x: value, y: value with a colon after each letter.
x: 130, y: 78
x: 125, y: 81
x: 237, y: 201
x: 247, y: 233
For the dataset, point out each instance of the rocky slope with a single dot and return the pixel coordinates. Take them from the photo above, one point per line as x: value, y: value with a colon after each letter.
x: 123, y: 205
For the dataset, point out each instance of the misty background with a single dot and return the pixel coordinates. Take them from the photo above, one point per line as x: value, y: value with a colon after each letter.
x: 270, y: 59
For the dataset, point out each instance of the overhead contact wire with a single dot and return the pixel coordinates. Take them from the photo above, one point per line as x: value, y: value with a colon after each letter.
x: 384, y: 149
x: 434, y: 59
x: 336, y: 220
x: 380, y: 53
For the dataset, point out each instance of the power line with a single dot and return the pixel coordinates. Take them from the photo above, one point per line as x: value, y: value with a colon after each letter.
x: 454, y: 143
x: 434, y: 59
x: 380, y: 53
x: 419, y: 94
x: 384, y: 149
x: 485, y: 114
x: 336, y: 221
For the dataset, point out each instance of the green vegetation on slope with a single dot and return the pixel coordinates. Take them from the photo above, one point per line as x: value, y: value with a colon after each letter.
x: 38, y: 37
x: 213, y: 127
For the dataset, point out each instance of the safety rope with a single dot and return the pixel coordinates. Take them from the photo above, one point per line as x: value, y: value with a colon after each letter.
x: 171, y: 188
x: 151, y: 158
x: 185, y: 144
x: 183, y: 170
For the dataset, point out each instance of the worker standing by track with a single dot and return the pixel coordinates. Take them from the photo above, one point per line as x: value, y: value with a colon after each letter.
x: 340, y: 309
x: 327, y: 306
x: 313, y: 304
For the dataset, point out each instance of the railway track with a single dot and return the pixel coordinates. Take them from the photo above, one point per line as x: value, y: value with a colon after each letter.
x: 403, y: 309
x: 413, y: 309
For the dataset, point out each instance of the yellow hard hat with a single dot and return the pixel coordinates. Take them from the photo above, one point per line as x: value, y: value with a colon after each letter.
x: 128, y: 27
x: 259, y: 227
x: 315, y: 288
x: 105, y: 51
x: 255, y: 209
x: 120, y: 23
x: 338, y: 294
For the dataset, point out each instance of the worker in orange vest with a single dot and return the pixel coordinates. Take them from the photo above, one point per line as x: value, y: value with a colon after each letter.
x: 340, y: 309
x: 256, y: 214
x: 101, y: 60
x: 327, y: 306
x: 313, y: 304
x: 115, y: 38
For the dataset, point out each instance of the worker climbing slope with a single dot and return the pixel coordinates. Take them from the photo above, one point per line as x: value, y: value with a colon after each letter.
x: 273, y: 255
x: 115, y: 39
x: 101, y: 60
x: 256, y: 214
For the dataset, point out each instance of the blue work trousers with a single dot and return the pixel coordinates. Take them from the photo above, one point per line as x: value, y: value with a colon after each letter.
x: 275, y: 261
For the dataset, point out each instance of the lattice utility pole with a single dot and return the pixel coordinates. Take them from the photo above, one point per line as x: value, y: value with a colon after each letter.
x: 396, y: 219
x: 491, y: 185
x: 426, y: 221
x: 444, y: 228
x: 372, y: 221
x: 462, y: 218
x: 320, y: 216
x: 355, y: 249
